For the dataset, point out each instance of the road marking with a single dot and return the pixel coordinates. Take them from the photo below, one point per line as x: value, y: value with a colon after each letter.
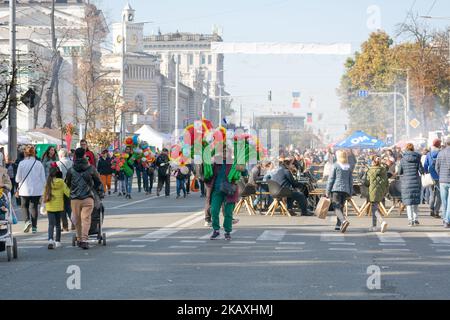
x: 272, y: 235
x: 288, y: 248
x: 439, y: 238
x: 341, y: 249
x: 342, y: 244
x: 112, y: 232
x: 144, y: 240
x: 131, y: 246
x: 234, y: 247
x: 135, y: 202
x: 392, y: 244
x: 30, y: 247
x: 289, y: 251
x: 443, y: 251
x: 175, y: 227
x: 243, y: 242
x: 183, y: 247
x: 192, y: 241
x: 292, y: 243
x: 332, y: 237
x: 394, y: 237
x: 440, y: 245
x: 37, y: 238
x: 396, y: 250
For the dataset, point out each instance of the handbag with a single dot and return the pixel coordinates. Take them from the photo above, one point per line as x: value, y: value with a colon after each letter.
x: 16, y: 194
x: 194, y: 185
x: 427, y: 180
x: 43, y: 210
x: 228, y: 188
x: 322, y: 208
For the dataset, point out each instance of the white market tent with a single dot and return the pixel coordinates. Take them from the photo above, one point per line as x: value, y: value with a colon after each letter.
x: 21, y: 139
x: 152, y: 137
x: 40, y: 137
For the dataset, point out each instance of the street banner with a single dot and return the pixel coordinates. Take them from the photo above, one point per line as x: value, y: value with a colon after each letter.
x: 309, y: 118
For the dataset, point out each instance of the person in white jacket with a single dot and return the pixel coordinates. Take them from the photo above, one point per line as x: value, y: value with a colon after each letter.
x: 30, y: 179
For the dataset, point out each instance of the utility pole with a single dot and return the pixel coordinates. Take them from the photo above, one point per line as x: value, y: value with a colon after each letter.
x: 407, y: 105
x: 122, y: 113
x: 12, y: 112
x: 240, y: 116
x: 177, y: 80
x: 395, y: 115
x: 220, y: 105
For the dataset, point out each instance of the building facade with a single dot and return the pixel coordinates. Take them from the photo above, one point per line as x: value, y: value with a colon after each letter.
x: 33, y: 24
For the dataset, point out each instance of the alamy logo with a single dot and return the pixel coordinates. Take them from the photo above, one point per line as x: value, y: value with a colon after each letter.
x: 374, y: 280
x: 74, y: 280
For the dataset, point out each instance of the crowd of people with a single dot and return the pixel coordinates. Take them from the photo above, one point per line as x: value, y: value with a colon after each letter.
x: 70, y: 184
x: 67, y: 185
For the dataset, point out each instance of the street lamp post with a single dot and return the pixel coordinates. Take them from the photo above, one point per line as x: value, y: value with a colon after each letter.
x: 122, y: 114
x: 12, y: 107
x: 177, y: 80
x: 405, y: 101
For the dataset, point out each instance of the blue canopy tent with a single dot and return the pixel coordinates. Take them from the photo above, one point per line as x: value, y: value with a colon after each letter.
x: 360, y: 140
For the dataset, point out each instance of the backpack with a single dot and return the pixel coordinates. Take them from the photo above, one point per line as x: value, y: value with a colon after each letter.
x: 432, y: 166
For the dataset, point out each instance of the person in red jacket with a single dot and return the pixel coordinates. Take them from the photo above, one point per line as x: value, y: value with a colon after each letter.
x: 89, y: 154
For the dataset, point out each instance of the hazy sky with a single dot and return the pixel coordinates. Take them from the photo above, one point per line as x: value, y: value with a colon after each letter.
x: 318, y: 21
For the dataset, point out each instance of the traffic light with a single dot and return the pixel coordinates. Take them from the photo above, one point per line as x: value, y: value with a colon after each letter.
x: 270, y: 95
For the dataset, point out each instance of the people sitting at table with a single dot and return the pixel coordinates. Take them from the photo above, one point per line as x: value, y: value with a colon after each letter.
x: 258, y: 177
x: 285, y: 178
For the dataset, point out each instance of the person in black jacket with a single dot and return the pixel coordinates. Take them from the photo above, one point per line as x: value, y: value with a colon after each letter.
x: 285, y: 178
x: 83, y: 180
x: 105, y: 170
x: 163, y: 167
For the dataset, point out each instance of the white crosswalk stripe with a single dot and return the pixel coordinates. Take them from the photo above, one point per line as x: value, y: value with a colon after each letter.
x: 272, y: 235
x: 391, y: 237
x: 439, y: 237
x: 174, y: 227
x: 332, y: 237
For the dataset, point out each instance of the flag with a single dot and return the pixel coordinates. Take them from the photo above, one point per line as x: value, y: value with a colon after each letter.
x: 296, y: 94
x: 309, y: 118
x: 296, y: 104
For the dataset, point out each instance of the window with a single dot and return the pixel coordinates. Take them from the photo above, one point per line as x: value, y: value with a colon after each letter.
x: 191, y: 59
x: 203, y: 60
x: 210, y: 59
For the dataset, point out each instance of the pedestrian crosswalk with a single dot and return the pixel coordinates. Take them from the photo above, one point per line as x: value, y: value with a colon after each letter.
x: 181, y: 236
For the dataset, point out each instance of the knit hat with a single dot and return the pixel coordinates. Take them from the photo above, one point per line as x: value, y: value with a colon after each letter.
x: 437, y: 143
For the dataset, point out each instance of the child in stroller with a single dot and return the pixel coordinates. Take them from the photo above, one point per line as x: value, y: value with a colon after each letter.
x: 7, y: 219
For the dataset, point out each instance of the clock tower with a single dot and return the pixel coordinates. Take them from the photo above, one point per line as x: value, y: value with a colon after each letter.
x: 128, y: 31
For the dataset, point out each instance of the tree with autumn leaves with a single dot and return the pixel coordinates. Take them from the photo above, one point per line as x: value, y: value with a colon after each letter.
x: 382, y: 66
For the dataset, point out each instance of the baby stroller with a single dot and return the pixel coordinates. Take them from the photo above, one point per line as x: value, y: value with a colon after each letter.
x: 7, y: 241
x: 96, y: 230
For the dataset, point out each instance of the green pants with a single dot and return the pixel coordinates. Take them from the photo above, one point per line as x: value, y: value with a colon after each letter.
x: 217, y: 199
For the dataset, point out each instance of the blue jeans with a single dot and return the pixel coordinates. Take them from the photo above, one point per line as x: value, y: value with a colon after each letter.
x: 181, y: 185
x: 445, y: 201
x: 128, y: 184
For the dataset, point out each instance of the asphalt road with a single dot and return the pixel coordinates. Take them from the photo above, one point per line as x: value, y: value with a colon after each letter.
x: 158, y: 248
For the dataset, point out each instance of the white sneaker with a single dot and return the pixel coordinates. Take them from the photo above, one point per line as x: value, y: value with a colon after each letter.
x: 58, y: 244
x: 373, y: 229
x: 384, y: 226
x: 208, y: 224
